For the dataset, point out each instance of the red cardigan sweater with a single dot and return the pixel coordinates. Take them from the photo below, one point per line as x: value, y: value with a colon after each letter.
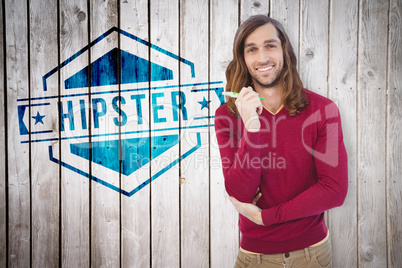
x: 298, y: 162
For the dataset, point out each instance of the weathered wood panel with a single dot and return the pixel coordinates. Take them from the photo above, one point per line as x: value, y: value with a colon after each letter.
x: 194, y: 170
x: 314, y: 46
x: 3, y: 182
x: 105, y: 204
x: 43, y: 42
x: 372, y: 66
x: 250, y: 7
x: 19, y: 190
x: 165, y: 196
x: 342, y: 89
x: 135, y: 210
x: 75, y: 191
x: 394, y: 127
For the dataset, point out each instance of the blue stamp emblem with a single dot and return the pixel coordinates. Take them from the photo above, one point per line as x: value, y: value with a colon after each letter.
x: 121, y: 112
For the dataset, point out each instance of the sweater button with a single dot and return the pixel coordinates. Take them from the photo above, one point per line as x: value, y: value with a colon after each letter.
x: 287, y: 255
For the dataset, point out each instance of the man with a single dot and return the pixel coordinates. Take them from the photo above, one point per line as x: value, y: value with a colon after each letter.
x: 282, y: 151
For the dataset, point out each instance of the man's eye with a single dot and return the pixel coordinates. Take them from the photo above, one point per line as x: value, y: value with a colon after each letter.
x: 251, y: 50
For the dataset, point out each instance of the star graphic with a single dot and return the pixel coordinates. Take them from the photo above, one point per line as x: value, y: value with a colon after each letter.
x: 38, y: 118
x: 204, y: 103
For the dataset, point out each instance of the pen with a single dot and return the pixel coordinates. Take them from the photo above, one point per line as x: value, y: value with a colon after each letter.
x: 234, y: 95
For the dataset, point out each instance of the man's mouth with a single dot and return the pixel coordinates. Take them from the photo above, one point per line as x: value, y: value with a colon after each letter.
x: 265, y: 69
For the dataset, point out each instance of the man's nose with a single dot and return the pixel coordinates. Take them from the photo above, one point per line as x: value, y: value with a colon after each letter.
x: 263, y: 56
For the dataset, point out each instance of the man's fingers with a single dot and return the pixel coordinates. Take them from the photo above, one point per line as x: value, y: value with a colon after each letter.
x: 259, y: 109
x: 244, y: 91
x: 256, y: 198
x: 247, y: 99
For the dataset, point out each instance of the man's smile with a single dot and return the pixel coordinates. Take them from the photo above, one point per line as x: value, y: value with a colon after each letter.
x: 265, y: 69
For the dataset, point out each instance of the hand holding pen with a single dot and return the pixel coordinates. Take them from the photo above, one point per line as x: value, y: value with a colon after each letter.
x: 249, y: 106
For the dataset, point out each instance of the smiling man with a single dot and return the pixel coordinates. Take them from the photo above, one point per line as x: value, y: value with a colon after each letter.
x: 282, y: 151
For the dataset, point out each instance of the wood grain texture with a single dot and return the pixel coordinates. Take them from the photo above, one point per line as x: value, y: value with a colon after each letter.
x: 314, y: 46
x: 105, y: 217
x: 3, y: 197
x: 19, y: 205
x: 165, y: 238
x: 223, y: 223
x: 394, y: 127
x: 45, y: 182
x: 253, y: 7
x: 194, y: 186
x: 372, y: 66
x: 342, y: 90
x: 135, y: 210
x: 75, y: 203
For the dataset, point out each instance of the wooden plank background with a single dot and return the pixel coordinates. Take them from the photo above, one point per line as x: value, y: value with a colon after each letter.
x: 50, y: 216
x: 75, y: 216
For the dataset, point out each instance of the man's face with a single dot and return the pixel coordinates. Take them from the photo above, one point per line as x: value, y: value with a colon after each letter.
x: 263, y: 56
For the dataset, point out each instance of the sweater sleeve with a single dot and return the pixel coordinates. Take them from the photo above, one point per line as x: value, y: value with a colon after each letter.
x: 330, y: 160
x: 237, y: 150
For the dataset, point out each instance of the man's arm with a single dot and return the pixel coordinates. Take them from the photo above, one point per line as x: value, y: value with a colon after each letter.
x: 249, y: 210
x: 329, y: 192
x: 330, y: 159
x: 237, y: 145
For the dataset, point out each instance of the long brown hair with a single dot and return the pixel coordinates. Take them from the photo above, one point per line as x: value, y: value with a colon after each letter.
x: 237, y: 75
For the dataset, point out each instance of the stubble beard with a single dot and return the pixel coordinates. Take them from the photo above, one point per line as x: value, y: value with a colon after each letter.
x: 274, y: 82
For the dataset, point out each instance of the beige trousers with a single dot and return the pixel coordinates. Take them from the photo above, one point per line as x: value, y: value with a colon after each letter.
x: 311, y: 257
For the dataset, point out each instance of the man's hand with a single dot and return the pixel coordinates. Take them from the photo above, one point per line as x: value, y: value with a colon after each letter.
x: 250, y: 107
x: 250, y: 211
